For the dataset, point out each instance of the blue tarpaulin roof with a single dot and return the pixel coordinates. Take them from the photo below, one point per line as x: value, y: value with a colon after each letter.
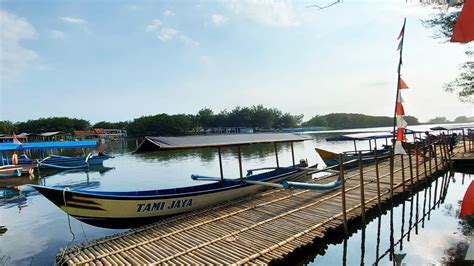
x: 51, y: 145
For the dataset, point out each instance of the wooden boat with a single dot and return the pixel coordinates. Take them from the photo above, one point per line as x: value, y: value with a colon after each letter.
x: 134, y: 208
x: 7, y: 171
x: 331, y: 159
x: 55, y: 161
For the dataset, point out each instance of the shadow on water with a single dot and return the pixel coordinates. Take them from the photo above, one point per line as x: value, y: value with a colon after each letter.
x: 418, y: 204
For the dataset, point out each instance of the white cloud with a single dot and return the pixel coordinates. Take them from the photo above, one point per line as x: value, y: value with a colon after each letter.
x: 153, y: 26
x: 71, y: 20
x: 56, y: 34
x: 168, y: 13
x: 218, y: 19
x: 269, y: 12
x: 14, y: 59
x: 167, y: 34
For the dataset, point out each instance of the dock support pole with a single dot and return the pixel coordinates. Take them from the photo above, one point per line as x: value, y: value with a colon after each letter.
x: 410, y: 163
x: 429, y: 162
x: 392, y: 159
x: 220, y: 164
x: 377, y: 176
x: 464, y: 140
x: 276, y: 154
x: 403, y: 172
x: 362, y: 193
x: 417, y: 164
x: 292, y: 153
x: 448, y: 152
x: 424, y: 162
x: 240, y: 163
x: 436, y: 157
x: 343, y: 190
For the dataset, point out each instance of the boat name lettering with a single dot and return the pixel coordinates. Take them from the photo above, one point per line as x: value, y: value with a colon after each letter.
x: 158, y: 206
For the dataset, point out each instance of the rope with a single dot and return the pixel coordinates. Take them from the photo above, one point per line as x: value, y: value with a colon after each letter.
x: 63, y: 252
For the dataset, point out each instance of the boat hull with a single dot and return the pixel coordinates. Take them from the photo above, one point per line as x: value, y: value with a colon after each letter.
x: 114, y: 210
x: 64, y: 162
x: 332, y: 159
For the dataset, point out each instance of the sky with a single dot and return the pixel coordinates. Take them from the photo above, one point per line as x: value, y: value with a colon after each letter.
x: 119, y: 60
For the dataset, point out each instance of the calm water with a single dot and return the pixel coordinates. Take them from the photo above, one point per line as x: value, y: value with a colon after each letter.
x: 32, y: 229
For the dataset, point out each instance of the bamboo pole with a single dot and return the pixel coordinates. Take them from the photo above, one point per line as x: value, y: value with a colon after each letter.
x: 410, y: 163
x: 292, y: 153
x: 377, y: 176
x: 343, y: 193
x: 240, y: 163
x: 417, y: 164
x: 403, y: 172
x: 276, y: 154
x: 464, y: 140
x: 392, y: 157
x: 362, y: 194
x: 220, y: 164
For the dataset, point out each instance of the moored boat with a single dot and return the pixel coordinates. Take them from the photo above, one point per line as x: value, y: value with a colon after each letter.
x: 53, y: 161
x: 133, y: 208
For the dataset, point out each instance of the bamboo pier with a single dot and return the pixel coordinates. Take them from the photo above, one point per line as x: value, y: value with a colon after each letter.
x: 275, y: 224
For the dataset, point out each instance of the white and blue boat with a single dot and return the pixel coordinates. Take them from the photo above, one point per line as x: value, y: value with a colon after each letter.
x: 133, y: 208
x: 52, y: 161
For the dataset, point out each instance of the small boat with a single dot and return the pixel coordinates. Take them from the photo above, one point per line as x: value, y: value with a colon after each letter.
x: 133, y: 208
x: 331, y: 159
x: 7, y: 171
x: 54, y: 161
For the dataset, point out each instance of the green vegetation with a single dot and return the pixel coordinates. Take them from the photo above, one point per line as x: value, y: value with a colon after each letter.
x: 463, y: 85
x: 344, y: 120
x: 64, y: 124
x: 256, y: 117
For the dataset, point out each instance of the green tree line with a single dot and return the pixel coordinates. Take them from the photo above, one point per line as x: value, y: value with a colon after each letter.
x: 348, y: 120
x: 256, y: 117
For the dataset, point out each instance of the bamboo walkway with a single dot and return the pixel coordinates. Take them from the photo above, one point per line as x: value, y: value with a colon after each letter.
x: 268, y: 226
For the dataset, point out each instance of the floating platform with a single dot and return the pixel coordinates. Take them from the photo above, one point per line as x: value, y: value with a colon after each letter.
x: 266, y: 227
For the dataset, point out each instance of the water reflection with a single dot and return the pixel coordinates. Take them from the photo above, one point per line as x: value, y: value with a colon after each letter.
x: 392, y: 233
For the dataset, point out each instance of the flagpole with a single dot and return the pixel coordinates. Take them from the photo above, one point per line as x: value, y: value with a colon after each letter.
x: 398, y: 82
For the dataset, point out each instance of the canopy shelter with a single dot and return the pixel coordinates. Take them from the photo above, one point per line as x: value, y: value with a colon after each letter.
x: 219, y: 141
x: 363, y: 136
x: 449, y: 128
x: 42, y: 146
x: 52, y: 145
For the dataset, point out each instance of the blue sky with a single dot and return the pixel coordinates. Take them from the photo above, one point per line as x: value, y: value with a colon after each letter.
x: 117, y: 60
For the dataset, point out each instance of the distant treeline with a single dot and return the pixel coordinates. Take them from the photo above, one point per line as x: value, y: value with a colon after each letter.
x: 256, y: 117
x: 345, y: 120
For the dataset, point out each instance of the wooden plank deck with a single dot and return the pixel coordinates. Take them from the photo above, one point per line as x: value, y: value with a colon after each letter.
x: 261, y: 228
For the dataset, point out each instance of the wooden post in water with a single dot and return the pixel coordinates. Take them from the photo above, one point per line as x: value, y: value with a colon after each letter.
x: 436, y: 157
x: 362, y: 193
x: 220, y: 164
x: 430, y: 152
x: 240, y: 163
x: 417, y: 164
x: 276, y: 154
x: 377, y: 176
x: 292, y: 153
x: 424, y: 161
x: 410, y: 163
x: 403, y: 172
x: 392, y: 158
x: 464, y: 140
x: 343, y: 190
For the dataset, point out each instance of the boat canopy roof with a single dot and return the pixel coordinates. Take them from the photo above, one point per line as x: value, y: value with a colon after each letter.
x: 362, y: 136
x: 50, y: 145
x: 453, y: 127
x: 194, y: 142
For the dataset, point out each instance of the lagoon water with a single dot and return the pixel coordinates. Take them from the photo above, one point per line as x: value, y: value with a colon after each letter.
x: 32, y: 229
